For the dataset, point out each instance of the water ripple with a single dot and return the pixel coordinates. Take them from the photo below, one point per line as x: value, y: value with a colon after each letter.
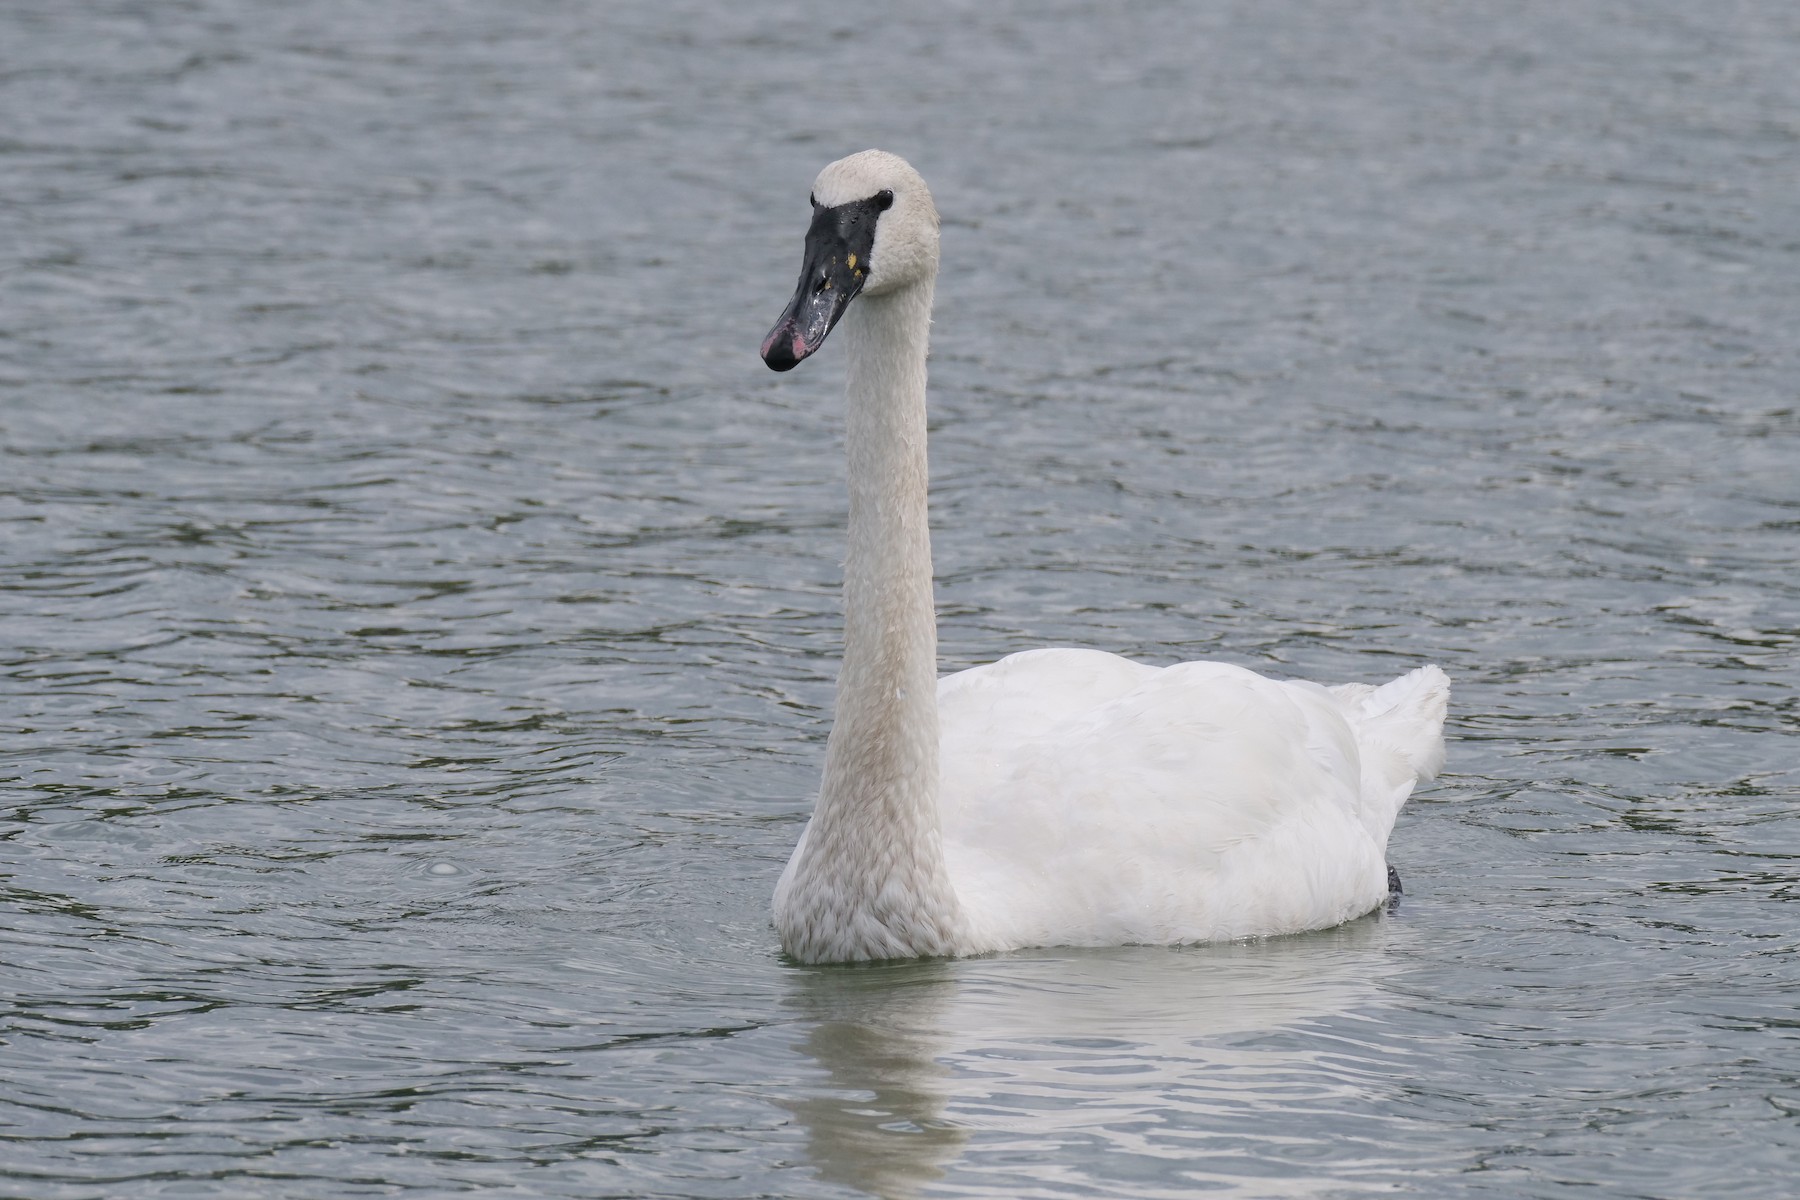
x: 422, y: 609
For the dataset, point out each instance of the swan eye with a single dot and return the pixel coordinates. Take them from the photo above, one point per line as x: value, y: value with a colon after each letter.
x: 884, y: 200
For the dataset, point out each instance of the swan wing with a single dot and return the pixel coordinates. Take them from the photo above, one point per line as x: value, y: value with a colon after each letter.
x: 1087, y: 799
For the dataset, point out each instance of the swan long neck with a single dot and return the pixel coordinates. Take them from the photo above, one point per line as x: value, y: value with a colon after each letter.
x: 869, y: 880
x: 888, y: 684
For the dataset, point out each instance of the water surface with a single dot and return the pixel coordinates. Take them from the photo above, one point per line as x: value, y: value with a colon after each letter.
x: 421, y: 607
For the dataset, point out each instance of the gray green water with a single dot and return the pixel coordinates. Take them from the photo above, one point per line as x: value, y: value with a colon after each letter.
x: 420, y: 611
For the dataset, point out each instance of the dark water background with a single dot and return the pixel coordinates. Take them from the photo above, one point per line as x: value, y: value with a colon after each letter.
x: 420, y: 609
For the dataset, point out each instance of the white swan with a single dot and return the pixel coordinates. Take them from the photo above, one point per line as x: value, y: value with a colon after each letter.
x: 1056, y: 797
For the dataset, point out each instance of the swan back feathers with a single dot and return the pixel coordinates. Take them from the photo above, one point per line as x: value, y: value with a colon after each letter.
x: 1090, y: 800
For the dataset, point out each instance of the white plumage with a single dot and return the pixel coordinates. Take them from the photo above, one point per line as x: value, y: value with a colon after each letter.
x: 1056, y: 797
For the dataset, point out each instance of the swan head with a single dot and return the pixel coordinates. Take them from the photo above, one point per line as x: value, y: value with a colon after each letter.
x: 874, y: 231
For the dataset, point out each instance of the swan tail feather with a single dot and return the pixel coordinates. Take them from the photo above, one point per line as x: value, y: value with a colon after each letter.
x: 1406, y: 716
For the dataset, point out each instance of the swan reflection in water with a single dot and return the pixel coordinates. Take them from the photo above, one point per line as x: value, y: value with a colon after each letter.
x: 1029, y: 1066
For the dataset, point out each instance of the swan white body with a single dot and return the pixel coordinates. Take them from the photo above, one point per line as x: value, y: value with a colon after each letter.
x: 1056, y: 797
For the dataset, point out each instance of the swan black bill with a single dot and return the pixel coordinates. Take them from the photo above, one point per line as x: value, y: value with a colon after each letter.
x: 838, y: 244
